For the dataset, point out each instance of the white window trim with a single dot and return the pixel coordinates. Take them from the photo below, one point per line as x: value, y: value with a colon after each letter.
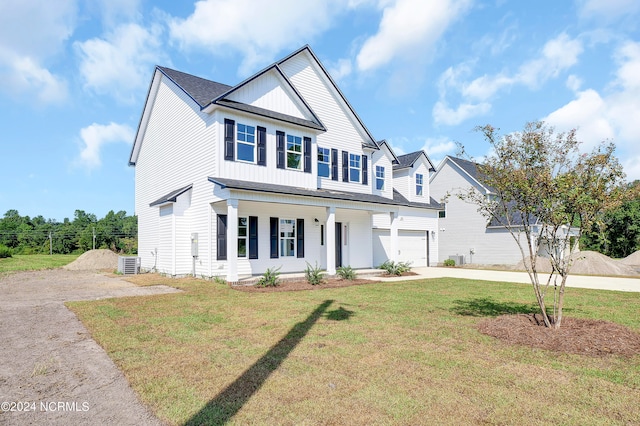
x: 294, y: 238
x: 359, y: 168
x: 328, y: 162
x: 421, y: 185
x: 245, y: 238
x: 380, y: 178
x: 254, y: 144
x: 287, y: 151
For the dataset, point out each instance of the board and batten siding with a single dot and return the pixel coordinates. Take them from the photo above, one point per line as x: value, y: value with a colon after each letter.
x: 342, y: 132
x: 464, y: 228
x: 270, y: 173
x: 178, y: 149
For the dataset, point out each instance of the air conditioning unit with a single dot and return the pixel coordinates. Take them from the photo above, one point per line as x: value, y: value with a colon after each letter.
x: 128, y: 265
x: 459, y: 259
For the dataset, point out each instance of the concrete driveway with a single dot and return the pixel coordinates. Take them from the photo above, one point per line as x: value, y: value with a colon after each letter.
x: 51, y: 370
x: 579, y: 281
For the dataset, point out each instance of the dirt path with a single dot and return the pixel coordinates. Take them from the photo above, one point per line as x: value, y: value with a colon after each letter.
x: 51, y: 371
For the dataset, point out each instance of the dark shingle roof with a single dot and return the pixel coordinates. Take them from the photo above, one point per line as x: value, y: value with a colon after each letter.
x: 398, y: 200
x: 407, y: 160
x: 172, y: 196
x: 270, y: 114
x: 201, y: 90
x: 468, y: 166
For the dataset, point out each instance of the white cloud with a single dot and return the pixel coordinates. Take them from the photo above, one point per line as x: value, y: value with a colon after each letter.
x: 408, y: 29
x: 120, y: 64
x: 557, y: 55
x: 31, y: 32
x: 608, y: 10
x: 574, y: 83
x: 95, y: 136
x: 443, y: 114
x: 614, y: 115
x: 632, y: 168
x: 258, y: 30
x: 340, y: 69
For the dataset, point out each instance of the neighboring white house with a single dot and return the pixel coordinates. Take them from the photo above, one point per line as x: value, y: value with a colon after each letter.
x: 276, y: 171
x: 463, y: 231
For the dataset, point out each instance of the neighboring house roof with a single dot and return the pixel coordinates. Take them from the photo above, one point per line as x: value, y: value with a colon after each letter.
x: 408, y: 160
x: 172, y: 196
x: 468, y: 168
x: 398, y: 200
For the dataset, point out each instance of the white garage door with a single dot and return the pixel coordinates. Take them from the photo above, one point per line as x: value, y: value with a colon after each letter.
x: 412, y: 247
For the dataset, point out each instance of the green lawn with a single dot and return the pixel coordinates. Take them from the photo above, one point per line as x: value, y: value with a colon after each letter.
x: 388, y: 353
x: 34, y: 262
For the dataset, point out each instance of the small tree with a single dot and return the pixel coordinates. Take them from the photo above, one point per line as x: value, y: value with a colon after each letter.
x: 544, y: 191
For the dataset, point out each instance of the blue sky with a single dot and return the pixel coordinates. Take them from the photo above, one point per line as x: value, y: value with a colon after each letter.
x: 421, y: 74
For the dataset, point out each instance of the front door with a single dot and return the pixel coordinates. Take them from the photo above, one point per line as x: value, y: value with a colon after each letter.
x: 338, y: 244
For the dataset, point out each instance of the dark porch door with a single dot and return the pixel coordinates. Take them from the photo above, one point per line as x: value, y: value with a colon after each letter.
x: 338, y: 244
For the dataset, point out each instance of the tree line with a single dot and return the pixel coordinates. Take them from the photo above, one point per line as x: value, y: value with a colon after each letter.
x: 25, y: 235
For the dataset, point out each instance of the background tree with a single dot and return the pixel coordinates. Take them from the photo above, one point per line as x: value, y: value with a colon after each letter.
x: 617, y: 233
x: 544, y: 192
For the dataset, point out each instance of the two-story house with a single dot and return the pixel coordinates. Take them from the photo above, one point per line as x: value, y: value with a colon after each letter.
x: 276, y: 171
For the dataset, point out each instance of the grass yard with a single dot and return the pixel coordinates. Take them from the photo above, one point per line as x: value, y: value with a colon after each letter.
x: 34, y: 262
x: 387, y: 353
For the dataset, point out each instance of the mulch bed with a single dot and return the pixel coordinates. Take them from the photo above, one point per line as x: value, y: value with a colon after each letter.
x: 576, y: 336
x: 298, y: 285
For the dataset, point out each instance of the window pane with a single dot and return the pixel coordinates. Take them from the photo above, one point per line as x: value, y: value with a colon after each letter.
x: 323, y: 170
x: 242, y: 247
x: 354, y: 175
x: 293, y: 160
x: 380, y: 184
x: 245, y: 152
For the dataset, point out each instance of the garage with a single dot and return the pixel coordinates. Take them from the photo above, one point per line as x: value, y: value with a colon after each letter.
x: 412, y: 246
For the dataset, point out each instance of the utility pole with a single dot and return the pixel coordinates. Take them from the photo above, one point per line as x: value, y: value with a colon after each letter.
x: 94, y: 237
x: 50, y: 244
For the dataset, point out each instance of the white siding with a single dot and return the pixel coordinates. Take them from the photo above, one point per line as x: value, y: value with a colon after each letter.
x: 343, y: 132
x: 464, y: 228
x: 267, y: 92
x: 381, y: 158
x: 178, y: 149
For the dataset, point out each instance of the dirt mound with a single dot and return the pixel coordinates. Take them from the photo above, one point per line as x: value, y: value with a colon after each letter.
x: 633, y: 259
x: 587, y: 263
x: 93, y: 260
x: 579, y: 336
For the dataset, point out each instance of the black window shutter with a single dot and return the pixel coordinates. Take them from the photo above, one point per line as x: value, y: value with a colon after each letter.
x: 273, y: 232
x: 253, y: 237
x: 365, y: 167
x: 345, y: 166
x: 262, y: 146
x: 300, y: 236
x: 334, y: 164
x: 229, y: 139
x: 221, y: 237
x: 307, y: 155
x: 280, y: 160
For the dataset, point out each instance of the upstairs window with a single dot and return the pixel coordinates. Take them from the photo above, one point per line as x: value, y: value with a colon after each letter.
x: 246, y: 137
x: 294, y: 152
x: 380, y: 178
x: 354, y: 167
x: 324, y: 162
x: 418, y: 184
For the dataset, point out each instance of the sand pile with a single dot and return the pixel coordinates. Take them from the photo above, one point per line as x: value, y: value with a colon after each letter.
x: 633, y: 259
x: 94, y: 260
x: 587, y: 263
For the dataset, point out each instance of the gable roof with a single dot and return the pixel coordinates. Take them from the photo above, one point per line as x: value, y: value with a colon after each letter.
x: 201, y: 90
x: 398, y: 200
x: 372, y: 141
x: 408, y: 160
x: 468, y: 168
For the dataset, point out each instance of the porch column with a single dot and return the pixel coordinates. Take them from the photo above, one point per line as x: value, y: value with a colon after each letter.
x: 331, y: 240
x: 232, y: 240
x: 393, y: 236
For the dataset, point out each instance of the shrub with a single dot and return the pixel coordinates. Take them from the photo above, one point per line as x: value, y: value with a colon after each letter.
x: 394, y: 268
x: 449, y: 262
x: 5, y: 252
x: 219, y: 280
x: 313, y: 275
x: 270, y: 278
x: 346, y: 273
